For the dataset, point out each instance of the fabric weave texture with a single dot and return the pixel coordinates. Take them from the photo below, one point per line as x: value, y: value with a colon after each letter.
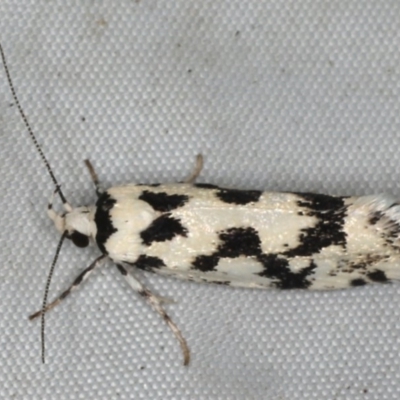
x: 277, y: 95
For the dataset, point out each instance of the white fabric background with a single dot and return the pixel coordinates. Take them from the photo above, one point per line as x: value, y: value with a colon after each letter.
x: 277, y: 95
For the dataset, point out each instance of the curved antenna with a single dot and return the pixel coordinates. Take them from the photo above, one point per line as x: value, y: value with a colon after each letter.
x: 31, y: 134
x: 46, y: 292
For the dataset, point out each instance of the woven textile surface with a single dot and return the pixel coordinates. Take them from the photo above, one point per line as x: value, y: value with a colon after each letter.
x: 277, y: 95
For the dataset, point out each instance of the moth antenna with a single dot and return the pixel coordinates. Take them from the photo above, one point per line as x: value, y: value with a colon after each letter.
x: 46, y: 293
x: 31, y: 134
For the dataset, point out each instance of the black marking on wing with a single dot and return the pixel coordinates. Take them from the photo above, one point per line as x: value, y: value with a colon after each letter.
x: 148, y: 263
x: 163, y: 201
x: 375, y: 217
x: 206, y: 263
x: 241, y: 197
x: 102, y: 218
x: 162, y: 229
x: 358, y: 282
x: 149, y: 184
x: 363, y: 264
x: 330, y: 213
x: 206, y: 186
x: 237, y: 242
x: 390, y: 231
x: 377, y: 276
x: 277, y: 269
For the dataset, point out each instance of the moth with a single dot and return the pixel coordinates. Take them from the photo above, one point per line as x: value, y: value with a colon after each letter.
x: 242, y: 238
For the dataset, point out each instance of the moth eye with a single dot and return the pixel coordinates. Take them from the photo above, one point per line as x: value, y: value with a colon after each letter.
x: 79, y: 239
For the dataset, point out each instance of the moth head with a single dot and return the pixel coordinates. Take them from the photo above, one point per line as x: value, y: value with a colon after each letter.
x: 76, y: 224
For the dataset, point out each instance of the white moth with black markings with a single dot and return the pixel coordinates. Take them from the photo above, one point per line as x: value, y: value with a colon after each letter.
x: 241, y: 238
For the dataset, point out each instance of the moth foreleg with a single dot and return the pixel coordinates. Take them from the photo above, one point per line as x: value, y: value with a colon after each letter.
x: 95, y: 179
x: 77, y: 282
x: 197, y: 170
x: 155, y: 303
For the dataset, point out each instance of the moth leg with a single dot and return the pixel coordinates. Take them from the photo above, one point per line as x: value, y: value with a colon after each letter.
x: 95, y: 179
x: 77, y: 282
x: 197, y: 169
x: 155, y: 303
